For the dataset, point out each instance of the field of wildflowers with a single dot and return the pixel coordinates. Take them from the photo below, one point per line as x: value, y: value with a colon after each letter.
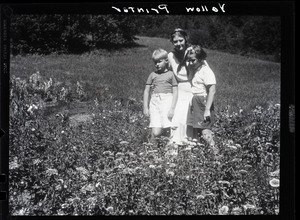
x: 100, y: 163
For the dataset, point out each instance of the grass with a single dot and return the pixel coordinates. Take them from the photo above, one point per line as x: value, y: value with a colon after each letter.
x: 241, y: 82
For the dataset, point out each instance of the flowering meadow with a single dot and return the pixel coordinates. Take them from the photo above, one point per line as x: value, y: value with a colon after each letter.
x: 102, y: 164
x: 78, y: 141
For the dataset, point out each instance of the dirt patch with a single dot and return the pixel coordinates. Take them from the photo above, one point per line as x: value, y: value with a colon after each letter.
x: 80, y: 119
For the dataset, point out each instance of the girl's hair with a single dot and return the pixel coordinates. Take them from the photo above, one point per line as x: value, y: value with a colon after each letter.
x: 160, y: 54
x: 179, y: 32
x: 198, y: 50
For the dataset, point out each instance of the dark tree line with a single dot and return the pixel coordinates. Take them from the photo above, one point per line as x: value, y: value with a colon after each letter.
x: 69, y: 33
x: 246, y: 35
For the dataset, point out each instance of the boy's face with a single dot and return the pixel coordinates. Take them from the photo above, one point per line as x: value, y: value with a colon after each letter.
x: 193, y: 62
x: 161, y: 64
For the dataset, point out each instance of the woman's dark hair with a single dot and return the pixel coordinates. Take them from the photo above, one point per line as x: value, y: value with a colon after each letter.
x: 181, y: 32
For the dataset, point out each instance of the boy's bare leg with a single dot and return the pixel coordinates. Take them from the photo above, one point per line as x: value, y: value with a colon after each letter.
x: 156, y: 132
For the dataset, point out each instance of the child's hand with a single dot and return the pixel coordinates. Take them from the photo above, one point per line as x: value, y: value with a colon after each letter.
x: 206, y: 113
x: 170, y: 114
x: 146, y: 112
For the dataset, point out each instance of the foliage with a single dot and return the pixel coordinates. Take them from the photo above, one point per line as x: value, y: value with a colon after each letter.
x: 246, y: 35
x: 59, y: 33
x: 107, y: 167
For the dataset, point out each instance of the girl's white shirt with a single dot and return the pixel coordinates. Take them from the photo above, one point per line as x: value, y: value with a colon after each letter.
x: 181, y: 75
x: 203, y: 77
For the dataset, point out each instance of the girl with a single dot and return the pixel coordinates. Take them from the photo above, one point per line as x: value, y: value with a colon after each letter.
x: 201, y: 109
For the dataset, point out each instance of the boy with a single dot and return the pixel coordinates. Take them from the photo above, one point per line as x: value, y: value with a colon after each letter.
x: 161, y: 86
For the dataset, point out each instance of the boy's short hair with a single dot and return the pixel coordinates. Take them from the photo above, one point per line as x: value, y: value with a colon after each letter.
x: 159, y: 54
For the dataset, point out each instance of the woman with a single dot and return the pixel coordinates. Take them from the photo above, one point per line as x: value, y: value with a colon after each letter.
x: 179, y: 39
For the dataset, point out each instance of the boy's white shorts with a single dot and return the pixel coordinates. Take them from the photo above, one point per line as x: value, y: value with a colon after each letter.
x: 160, y: 104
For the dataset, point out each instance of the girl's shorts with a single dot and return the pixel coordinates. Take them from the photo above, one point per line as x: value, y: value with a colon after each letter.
x: 160, y: 104
x: 196, y: 110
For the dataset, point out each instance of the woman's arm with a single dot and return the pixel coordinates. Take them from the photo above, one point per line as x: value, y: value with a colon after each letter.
x: 174, y: 101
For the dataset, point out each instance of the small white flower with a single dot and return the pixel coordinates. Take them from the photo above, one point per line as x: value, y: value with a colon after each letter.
x: 63, y: 206
x: 232, y: 147
x: 172, y: 165
x: 243, y: 171
x: 119, y: 154
x: 110, y: 209
x: 274, y: 182
x: 249, y: 206
x: 237, y: 160
x: 236, y: 211
x: 187, y: 149
x: 223, y: 210
x: 275, y: 173
x: 58, y: 188
x: 170, y: 173
x: 121, y: 166
x: 224, y: 182
x: 106, y: 153
x: 200, y: 197
x: 193, y: 143
x: 50, y: 172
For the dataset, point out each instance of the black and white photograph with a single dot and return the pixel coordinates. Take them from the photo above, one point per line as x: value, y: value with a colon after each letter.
x: 147, y: 109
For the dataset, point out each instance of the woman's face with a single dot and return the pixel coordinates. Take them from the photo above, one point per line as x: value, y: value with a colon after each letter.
x: 179, y: 43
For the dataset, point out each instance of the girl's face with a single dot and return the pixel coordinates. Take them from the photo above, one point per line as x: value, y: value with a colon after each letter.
x: 193, y: 61
x: 179, y: 43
